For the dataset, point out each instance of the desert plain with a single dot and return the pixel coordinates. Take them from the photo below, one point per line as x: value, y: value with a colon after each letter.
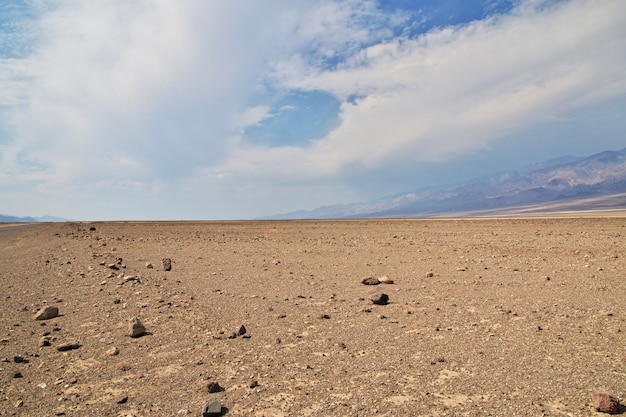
x: 485, y: 317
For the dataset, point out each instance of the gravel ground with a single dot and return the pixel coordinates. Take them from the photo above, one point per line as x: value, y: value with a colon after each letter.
x: 486, y: 317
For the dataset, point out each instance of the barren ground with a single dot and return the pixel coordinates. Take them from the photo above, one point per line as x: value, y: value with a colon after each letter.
x: 520, y: 317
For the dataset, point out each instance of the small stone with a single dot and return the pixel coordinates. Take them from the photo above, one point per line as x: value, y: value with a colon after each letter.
x: 17, y: 374
x: 254, y: 383
x: 149, y: 265
x: 19, y: 404
x: 385, y: 280
x: 122, y: 399
x: 380, y: 299
x: 137, y: 329
x: 370, y: 281
x: 167, y: 264
x: 430, y: 274
x: 46, y: 313
x: 113, y: 266
x: 212, y: 409
x: 214, y: 387
x: 233, y: 335
x: 19, y: 359
x: 113, y: 351
x: 241, y: 330
x: 605, y: 402
x: 63, y: 347
x: 325, y: 317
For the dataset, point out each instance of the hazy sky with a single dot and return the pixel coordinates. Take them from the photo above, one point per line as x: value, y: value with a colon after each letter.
x: 195, y: 109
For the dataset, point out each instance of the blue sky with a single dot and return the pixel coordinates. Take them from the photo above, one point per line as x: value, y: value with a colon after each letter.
x: 134, y: 109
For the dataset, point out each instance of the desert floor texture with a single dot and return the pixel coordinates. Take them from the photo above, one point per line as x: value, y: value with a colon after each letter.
x: 486, y: 317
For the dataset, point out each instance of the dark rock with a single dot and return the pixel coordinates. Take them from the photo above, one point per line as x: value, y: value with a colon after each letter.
x: 19, y: 359
x: 122, y: 399
x: 167, y: 264
x: 63, y: 347
x: 214, y: 387
x: 17, y: 374
x: 212, y: 409
x: 371, y: 281
x: 137, y: 329
x: 380, y: 299
x: 113, y: 266
x: 605, y: 402
x: 325, y: 317
x: 46, y: 313
x: 254, y: 383
x: 45, y: 341
x: 241, y: 330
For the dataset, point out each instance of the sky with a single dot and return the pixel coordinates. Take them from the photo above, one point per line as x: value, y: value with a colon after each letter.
x: 215, y: 110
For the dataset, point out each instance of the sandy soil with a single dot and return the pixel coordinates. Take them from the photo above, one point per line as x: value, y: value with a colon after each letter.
x: 491, y: 317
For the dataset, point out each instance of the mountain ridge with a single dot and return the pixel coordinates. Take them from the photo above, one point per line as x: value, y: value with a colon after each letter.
x: 564, y: 178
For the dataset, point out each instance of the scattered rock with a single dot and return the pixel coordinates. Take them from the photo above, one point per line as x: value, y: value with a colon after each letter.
x: 122, y: 399
x: 19, y: 359
x: 385, y: 280
x: 325, y: 317
x: 233, y: 335
x: 241, y: 330
x: 214, y: 387
x: 45, y: 341
x: 19, y: 404
x: 137, y: 329
x: 113, y: 266
x: 254, y: 383
x: 430, y: 274
x: 371, y: 281
x: 47, y: 313
x: 605, y: 402
x: 167, y: 264
x: 149, y: 265
x: 113, y: 351
x: 63, y: 347
x: 17, y: 374
x: 380, y: 299
x: 212, y: 409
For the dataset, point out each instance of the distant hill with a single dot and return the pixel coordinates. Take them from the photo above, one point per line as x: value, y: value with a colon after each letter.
x: 5, y: 218
x: 600, y: 178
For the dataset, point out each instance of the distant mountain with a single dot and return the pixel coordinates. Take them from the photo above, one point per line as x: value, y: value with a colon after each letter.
x: 566, y: 179
x: 4, y: 218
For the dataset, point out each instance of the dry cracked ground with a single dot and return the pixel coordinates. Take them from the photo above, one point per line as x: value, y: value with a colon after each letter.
x: 486, y: 317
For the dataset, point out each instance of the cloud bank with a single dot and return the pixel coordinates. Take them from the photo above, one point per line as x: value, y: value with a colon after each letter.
x: 136, y: 109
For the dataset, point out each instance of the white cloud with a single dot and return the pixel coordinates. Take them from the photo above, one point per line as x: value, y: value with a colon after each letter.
x: 458, y: 89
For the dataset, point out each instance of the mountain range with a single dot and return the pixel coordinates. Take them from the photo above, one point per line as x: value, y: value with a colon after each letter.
x: 567, y: 183
x: 5, y: 218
